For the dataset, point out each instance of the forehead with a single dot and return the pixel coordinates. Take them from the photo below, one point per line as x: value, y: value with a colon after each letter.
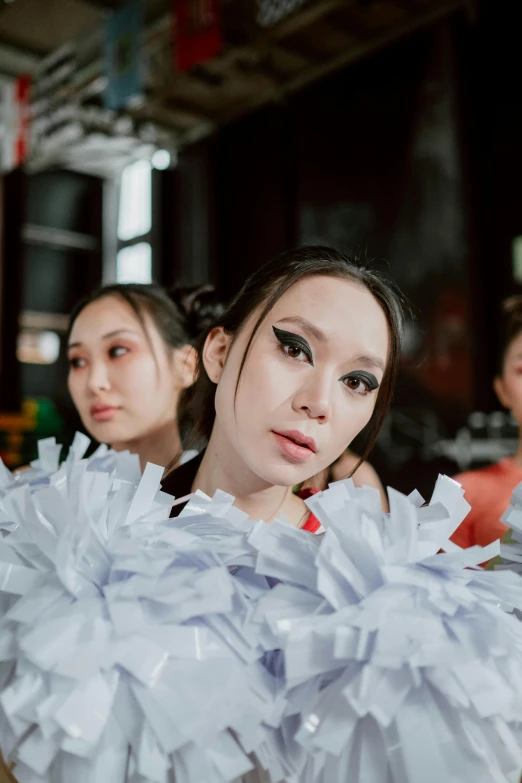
x: 514, y: 351
x: 346, y: 312
x: 103, y: 316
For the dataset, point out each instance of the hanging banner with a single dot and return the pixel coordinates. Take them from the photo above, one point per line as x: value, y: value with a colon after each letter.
x: 270, y: 12
x: 123, y: 42
x: 54, y: 104
x: 16, y: 123
x: 198, y: 32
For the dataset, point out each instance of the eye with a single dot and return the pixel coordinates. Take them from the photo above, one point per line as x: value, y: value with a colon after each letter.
x: 117, y: 350
x: 294, y: 352
x: 294, y: 346
x: 360, y: 383
x: 76, y: 362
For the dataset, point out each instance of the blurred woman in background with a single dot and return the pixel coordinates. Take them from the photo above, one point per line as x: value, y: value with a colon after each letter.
x: 489, y: 489
x: 131, y: 357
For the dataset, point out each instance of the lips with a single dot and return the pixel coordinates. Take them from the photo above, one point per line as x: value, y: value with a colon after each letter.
x: 103, y: 412
x: 296, y: 445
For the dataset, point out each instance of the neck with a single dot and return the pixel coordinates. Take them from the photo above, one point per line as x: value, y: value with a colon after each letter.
x: 159, y: 447
x: 517, y: 457
x: 222, y: 468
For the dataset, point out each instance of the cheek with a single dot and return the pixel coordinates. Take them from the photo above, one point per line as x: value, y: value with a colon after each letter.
x: 266, y: 390
x: 350, y: 418
x: 513, y: 386
x: 224, y: 399
x: 75, y: 386
x: 134, y: 374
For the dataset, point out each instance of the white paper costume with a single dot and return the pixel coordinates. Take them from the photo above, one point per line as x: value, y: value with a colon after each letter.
x: 135, y: 648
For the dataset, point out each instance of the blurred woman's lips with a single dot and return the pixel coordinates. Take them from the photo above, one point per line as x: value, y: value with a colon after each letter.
x: 103, y: 412
x: 296, y: 445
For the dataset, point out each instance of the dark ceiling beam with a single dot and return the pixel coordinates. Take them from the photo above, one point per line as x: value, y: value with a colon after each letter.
x: 108, y: 5
x: 412, y: 6
x: 302, y: 19
x: 353, y: 21
x: 304, y: 50
x: 360, y: 49
x: 189, y: 112
x: 15, y: 61
x: 281, y: 52
x: 427, y: 16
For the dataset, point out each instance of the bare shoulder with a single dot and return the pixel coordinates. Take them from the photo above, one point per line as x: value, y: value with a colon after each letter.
x: 364, y: 476
x: 365, y: 473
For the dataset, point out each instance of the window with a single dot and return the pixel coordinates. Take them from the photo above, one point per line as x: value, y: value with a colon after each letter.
x: 134, y: 264
x: 134, y: 258
x: 37, y: 347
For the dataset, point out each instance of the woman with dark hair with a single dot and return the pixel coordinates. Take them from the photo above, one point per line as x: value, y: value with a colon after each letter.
x: 302, y: 360
x: 131, y: 356
x: 489, y: 489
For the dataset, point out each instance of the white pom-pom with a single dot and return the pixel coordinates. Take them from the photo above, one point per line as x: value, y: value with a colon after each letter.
x: 127, y: 650
x: 40, y: 471
x: 511, y: 546
x: 137, y: 648
x: 401, y: 663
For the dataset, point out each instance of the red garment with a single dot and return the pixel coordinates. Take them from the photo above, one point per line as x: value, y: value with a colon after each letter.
x: 488, y: 491
x: 312, y: 524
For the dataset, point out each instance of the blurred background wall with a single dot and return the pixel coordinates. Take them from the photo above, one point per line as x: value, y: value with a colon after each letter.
x: 231, y: 131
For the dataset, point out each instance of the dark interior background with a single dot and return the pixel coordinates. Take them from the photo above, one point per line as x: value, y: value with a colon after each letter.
x: 411, y: 157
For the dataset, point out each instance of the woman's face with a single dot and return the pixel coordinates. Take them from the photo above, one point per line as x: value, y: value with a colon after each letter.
x: 310, y: 381
x: 509, y: 386
x: 124, y: 386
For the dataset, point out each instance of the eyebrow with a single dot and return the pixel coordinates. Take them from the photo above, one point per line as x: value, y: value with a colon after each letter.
x: 369, y: 361
x: 104, y: 337
x: 363, y: 359
x: 306, y: 326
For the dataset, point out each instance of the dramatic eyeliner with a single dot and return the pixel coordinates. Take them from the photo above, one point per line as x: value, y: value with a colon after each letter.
x: 292, y: 340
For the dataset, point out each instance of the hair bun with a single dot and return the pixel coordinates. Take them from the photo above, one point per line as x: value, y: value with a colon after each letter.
x: 199, y: 305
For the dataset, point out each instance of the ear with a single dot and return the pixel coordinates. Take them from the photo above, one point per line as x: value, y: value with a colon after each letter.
x: 185, y: 361
x: 501, y: 392
x: 215, y: 352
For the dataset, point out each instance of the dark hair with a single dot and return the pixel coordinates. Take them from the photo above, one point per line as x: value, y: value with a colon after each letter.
x: 199, y: 305
x: 511, y: 326
x: 179, y: 315
x: 264, y: 288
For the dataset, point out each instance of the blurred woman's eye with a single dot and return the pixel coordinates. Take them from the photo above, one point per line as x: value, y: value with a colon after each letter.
x: 117, y: 350
x: 75, y: 362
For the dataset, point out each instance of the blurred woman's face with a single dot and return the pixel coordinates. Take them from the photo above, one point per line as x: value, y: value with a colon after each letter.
x: 509, y: 386
x: 124, y: 382
x: 310, y: 381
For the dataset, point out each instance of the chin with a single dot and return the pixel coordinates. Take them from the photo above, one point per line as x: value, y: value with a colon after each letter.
x: 108, y: 433
x: 282, y: 473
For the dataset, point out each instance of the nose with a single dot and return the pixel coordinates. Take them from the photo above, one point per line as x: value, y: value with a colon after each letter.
x: 98, y: 378
x: 315, y: 397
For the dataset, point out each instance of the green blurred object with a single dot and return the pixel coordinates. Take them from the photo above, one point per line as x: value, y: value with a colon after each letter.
x: 507, y: 538
x: 47, y: 423
x: 19, y: 433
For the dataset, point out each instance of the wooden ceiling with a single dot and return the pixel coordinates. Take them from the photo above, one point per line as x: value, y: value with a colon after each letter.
x: 256, y: 66
x: 260, y: 66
